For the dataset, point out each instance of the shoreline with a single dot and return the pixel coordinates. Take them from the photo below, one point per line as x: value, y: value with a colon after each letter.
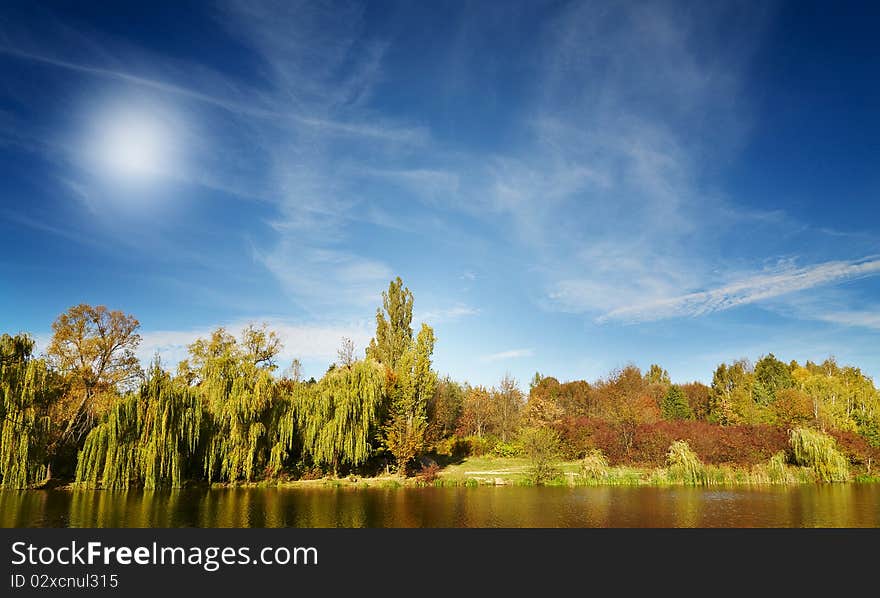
x: 499, y: 471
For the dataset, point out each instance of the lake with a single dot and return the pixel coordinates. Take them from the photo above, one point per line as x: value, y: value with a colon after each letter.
x: 820, y: 505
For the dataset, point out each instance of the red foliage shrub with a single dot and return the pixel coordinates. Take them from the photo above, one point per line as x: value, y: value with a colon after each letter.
x: 428, y: 473
x: 714, y: 444
x: 856, y: 448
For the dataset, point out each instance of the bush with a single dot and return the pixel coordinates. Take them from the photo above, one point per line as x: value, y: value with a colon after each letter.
x: 684, y: 464
x: 811, y: 448
x: 505, y: 449
x: 594, y: 466
x: 428, y: 473
x: 714, y: 444
x: 541, y: 447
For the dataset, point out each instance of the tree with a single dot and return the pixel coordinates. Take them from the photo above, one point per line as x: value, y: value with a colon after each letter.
x: 261, y: 345
x: 508, y: 400
x: 95, y: 349
x: 477, y: 411
x: 624, y: 401
x: 771, y: 375
x: 541, y: 447
x: 543, y: 407
x: 339, y: 418
x: 346, y: 353
x: 657, y: 375
x: 148, y: 438
x: 408, y: 367
x: 675, y: 404
x: 26, y: 393
x: 296, y: 370
x: 393, y: 325
x: 235, y: 382
x: 699, y: 399
x: 445, y: 408
x: 731, y: 391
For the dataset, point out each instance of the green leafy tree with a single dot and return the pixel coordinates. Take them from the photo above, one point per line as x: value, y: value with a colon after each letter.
x: 408, y: 365
x: 771, y: 375
x: 148, y: 439
x: 339, y: 417
x: 26, y: 392
x: 675, y: 404
x: 657, y: 375
x: 394, y: 334
x: 541, y: 446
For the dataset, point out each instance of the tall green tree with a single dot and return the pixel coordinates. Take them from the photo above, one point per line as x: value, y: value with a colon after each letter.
x: 411, y: 381
x: 394, y: 334
x: 771, y: 375
x: 675, y: 404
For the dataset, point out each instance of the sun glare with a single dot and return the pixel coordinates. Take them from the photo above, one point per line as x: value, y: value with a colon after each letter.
x: 131, y: 144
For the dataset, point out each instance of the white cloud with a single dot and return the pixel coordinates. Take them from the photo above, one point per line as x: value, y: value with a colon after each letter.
x: 510, y: 354
x: 855, y: 318
x: 751, y: 289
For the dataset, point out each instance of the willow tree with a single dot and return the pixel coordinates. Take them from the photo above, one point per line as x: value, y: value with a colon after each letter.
x: 411, y: 381
x: 26, y: 425
x: 235, y: 382
x: 147, y: 439
x: 340, y: 417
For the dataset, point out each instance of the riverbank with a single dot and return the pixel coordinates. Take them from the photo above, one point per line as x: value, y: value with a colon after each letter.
x: 515, y: 471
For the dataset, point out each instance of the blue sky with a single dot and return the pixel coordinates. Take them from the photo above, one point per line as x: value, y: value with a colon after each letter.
x: 566, y: 187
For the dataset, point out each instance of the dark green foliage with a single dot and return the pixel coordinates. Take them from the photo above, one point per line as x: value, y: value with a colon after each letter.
x: 771, y: 375
x: 675, y: 404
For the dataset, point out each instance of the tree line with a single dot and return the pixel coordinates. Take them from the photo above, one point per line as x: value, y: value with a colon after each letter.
x: 86, y: 411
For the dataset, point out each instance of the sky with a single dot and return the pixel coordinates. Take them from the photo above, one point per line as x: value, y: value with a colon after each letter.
x: 566, y: 187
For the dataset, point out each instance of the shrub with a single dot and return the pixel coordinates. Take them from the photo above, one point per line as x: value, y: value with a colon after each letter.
x: 428, y: 473
x: 505, y: 449
x: 541, y: 447
x: 684, y: 464
x: 594, y: 466
x: 811, y: 448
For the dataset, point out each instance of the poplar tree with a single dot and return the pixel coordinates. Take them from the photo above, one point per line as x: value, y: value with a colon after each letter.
x: 411, y: 381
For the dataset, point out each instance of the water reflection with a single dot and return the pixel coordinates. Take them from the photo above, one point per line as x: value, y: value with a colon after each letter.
x: 801, y: 506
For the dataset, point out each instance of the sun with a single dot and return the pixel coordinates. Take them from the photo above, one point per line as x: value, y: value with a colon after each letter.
x: 131, y: 144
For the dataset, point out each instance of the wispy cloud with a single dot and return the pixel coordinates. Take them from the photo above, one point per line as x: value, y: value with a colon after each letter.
x: 856, y: 318
x: 751, y: 289
x: 510, y: 354
x: 443, y: 315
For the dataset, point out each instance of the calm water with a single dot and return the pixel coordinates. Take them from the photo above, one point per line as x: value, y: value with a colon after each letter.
x: 800, y: 506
